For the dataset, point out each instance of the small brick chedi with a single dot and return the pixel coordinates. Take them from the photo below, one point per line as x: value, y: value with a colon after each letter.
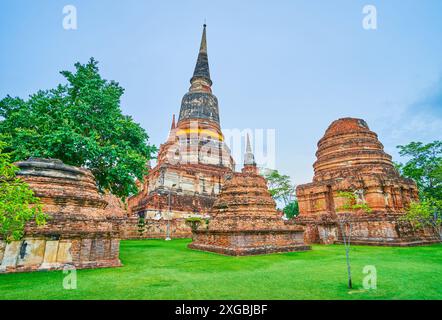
x: 244, y: 219
x: 80, y: 232
x: 350, y: 158
x: 191, y: 167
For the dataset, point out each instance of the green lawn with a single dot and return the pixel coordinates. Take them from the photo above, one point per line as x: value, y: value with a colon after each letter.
x: 155, y: 269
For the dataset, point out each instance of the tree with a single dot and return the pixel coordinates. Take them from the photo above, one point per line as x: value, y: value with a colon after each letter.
x: 280, y: 186
x: 194, y: 222
x: 292, y: 209
x: 345, y: 220
x: 18, y: 205
x: 282, y: 190
x: 81, y: 124
x: 426, y: 214
x: 424, y: 166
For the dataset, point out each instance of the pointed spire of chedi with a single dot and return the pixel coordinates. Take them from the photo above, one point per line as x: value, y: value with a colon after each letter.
x: 202, y: 64
x: 249, y: 158
x: 248, y: 147
x: 199, y: 102
x: 172, y: 130
x: 173, y: 123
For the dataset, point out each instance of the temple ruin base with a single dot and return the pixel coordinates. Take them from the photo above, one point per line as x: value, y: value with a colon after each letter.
x: 154, y: 229
x: 248, y: 242
x: 378, y: 229
x: 38, y: 254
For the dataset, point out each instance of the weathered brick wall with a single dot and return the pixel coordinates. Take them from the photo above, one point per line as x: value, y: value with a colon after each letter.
x: 45, y: 254
x: 367, y: 229
x: 249, y: 242
x: 154, y: 229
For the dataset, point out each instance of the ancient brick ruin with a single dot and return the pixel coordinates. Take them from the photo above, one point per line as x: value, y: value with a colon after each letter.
x: 81, y: 231
x: 191, y: 167
x: 244, y: 220
x: 350, y: 158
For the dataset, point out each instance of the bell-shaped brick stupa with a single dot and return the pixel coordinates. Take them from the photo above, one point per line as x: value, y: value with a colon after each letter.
x: 350, y: 158
x: 81, y: 231
x: 244, y: 219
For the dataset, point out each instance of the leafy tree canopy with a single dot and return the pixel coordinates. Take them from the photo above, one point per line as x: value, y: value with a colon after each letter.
x: 283, y: 191
x: 292, y: 209
x: 424, y: 166
x: 18, y: 204
x: 427, y: 213
x: 81, y: 124
x: 351, y: 203
x: 280, y: 186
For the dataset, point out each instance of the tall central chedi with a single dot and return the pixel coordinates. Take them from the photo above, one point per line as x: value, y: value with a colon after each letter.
x: 192, y: 164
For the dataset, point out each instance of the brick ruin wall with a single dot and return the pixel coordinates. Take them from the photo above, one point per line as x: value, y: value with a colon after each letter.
x: 249, y: 242
x: 381, y: 230
x: 153, y: 229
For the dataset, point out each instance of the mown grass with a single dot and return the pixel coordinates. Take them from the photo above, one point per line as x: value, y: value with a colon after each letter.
x: 156, y: 269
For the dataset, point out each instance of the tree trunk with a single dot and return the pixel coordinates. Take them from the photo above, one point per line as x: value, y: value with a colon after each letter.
x: 347, y: 253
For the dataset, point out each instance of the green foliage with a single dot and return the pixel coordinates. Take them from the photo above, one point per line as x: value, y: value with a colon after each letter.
x: 427, y: 213
x: 351, y: 203
x: 424, y: 166
x: 194, y: 219
x: 280, y: 186
x: 18, y: 205
x: 81, y: 124
x: 291, y: 210
x: 141, y: 224
x: 194, y: 222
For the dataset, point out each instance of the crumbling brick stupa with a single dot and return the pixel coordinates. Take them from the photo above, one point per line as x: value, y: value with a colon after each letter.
x: 80, y: 232
x: 350, y: 158
x: 244, y: 220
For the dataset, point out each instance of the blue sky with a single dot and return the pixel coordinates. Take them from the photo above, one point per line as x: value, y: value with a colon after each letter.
x: 292, y: 66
